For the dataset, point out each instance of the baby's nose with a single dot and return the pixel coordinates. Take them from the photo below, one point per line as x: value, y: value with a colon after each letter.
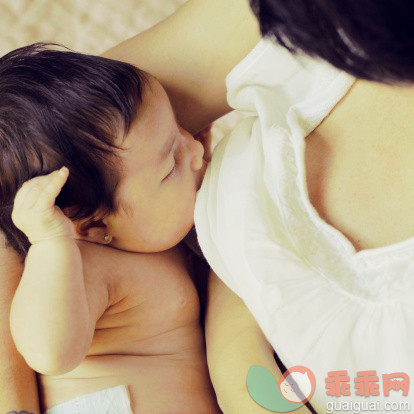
x: 197, y: 155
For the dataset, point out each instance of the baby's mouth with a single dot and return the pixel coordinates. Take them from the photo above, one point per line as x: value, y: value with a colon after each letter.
x: 201, y: 174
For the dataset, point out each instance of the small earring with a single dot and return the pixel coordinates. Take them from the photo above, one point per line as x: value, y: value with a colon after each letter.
x: 107, y: 238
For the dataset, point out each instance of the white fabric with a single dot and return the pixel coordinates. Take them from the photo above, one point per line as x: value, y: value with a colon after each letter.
x: 320, y: 303
x: 113, y: 400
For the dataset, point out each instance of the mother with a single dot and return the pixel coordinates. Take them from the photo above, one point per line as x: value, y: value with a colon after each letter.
x: 191, y: 53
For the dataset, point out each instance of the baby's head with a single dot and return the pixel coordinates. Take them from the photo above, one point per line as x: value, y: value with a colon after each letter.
x: 134, y: 172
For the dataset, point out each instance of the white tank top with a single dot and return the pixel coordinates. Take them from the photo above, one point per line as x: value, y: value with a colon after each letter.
x: 320, y: 303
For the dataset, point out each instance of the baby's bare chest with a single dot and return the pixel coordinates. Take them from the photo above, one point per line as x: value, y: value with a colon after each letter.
x: 157, y: 312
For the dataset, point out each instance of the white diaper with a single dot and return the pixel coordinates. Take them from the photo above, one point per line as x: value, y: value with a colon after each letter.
x: 110, y: 401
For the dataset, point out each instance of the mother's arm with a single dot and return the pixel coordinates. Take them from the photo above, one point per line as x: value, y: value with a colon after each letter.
x: 18, y: 388
x: 235, y: 342
x: 191, y: 52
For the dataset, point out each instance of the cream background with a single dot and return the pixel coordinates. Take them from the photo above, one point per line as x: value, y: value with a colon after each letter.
x: 88, y: 26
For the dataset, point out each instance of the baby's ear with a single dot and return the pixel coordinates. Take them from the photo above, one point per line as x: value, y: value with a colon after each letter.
x: 92, y: 230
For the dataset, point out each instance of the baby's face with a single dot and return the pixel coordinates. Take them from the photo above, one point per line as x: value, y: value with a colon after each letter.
x: 162, y: 169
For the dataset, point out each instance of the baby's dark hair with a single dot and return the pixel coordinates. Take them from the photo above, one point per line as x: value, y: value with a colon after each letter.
x: 62, y: 108
x: 370, y: 39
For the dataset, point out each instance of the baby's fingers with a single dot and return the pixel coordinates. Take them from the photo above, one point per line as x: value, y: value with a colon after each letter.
x: 35, y: 212
x: 57, y: 180
x: 40, y: 192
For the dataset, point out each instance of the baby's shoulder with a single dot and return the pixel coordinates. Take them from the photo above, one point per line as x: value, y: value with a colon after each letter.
x: 131, y: 274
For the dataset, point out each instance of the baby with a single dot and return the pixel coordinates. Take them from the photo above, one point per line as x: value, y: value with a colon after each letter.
x: 109, y: 329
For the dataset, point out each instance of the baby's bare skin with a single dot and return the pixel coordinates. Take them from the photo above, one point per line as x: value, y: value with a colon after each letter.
x: 149, y: 337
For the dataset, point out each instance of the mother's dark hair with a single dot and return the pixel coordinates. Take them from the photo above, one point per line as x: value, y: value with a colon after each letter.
x: 370, y: 39
x: 62, y: 108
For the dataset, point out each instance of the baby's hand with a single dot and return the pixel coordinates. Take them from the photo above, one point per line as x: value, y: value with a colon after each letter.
x: 35, y: 212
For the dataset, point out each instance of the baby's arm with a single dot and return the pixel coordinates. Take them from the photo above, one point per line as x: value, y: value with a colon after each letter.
x: 235, y: 342
x: 52, y: 319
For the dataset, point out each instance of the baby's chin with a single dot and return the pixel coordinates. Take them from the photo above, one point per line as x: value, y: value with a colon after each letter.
x: 175, y: 239
x: 163, y: 238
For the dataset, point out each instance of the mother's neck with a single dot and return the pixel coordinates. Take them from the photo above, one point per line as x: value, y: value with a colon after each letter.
x: 373, y: 112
